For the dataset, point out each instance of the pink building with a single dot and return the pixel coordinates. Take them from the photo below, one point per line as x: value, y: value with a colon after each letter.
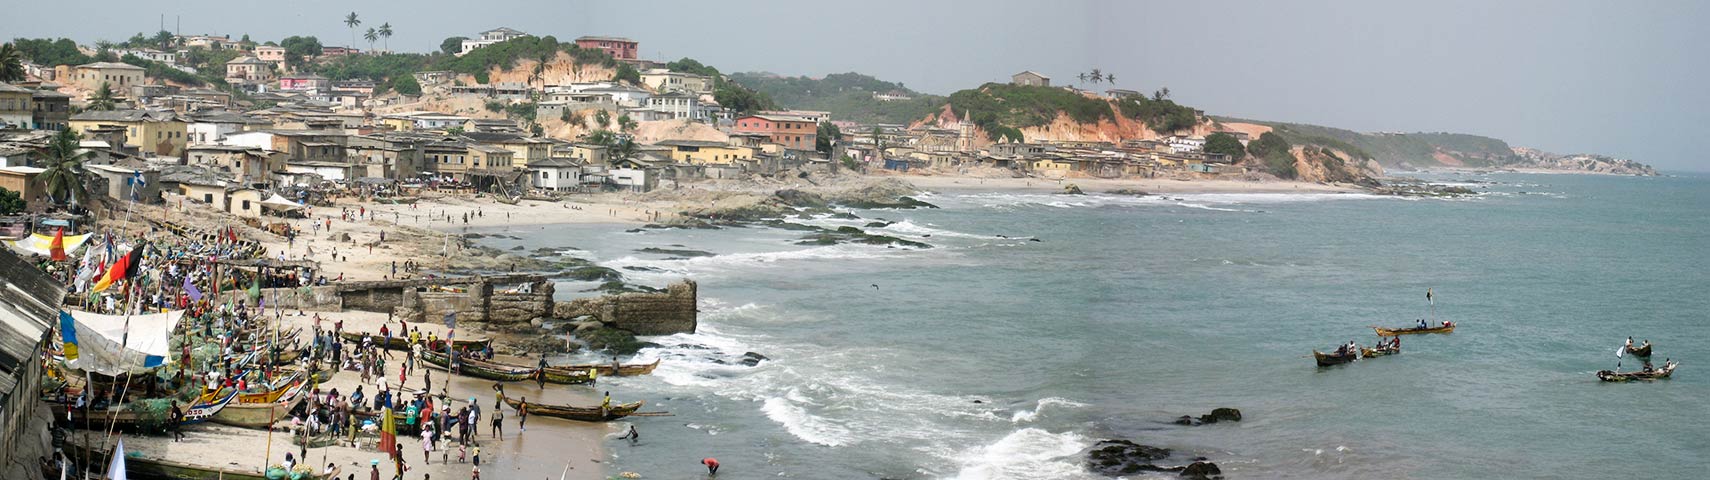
x: 619, y: 47
x: 303, y: 82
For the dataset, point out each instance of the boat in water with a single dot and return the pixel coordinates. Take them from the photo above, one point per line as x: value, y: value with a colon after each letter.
x: 1328, y: 359
x: 581, y: 414
x: 477, y: 368
x: 1447, y: 327
x: 1653, y: 374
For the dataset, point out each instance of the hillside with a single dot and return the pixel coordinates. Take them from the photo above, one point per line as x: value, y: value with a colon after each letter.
x: 1399, y: 149
x: 848, y: 96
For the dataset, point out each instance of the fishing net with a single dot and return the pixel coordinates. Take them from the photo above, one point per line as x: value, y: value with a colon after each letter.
x: 152, y: 414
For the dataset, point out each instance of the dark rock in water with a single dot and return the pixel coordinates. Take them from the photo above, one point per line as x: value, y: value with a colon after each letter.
x: 1034, y: 240
x: 1073, y: 189
x: 904, y: 202
x: 1122, y: 457
x: 1202, y: 471
x: 798, y: 198
x: 979, y: 401
x: 676, y: 252
x: 473, y: 236
x: 879, y: 224
x: 518, y: 247
x: 1128, y: 191
x: 1187, y: 420
x: 634, y: 230
x: 638, y: 268
x: 1221, y: 414
x: 850, y: 230
x: 592, y: 273
x: 845, y: 216
x: 752, y: 359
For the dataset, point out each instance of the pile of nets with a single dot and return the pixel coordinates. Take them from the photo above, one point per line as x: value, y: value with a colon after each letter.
x: 300, y: 472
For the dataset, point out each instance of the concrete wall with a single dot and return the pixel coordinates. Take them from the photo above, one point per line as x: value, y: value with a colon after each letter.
x: 323, y: 299
x: 672, y: 311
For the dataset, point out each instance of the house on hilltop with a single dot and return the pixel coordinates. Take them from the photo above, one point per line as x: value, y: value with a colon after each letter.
x: 620, y: 48
x: 1030, y: 78
x: 488, y: 38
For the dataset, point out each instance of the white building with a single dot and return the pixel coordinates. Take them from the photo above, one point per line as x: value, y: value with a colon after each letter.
x: 677, y: 105
x: 148, y: 54
x: 1186, y: 144
x: 555, y: 174
x: 488, y: 38
x: 624, y: 96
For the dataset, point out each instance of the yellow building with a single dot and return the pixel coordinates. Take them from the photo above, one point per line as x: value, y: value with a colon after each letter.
x: 149, y: 131
x: 490, y: 158
x: 523, y: 149
x: 118, y: 76
x: 698, y: 152
x: 1049, y: 164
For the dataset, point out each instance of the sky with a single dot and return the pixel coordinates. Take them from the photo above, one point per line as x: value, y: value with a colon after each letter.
x: 1615, y: 78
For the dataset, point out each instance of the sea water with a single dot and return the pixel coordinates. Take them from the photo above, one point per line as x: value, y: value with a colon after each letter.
x: 1039, y: 324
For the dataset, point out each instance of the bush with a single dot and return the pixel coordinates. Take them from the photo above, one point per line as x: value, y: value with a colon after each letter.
x: 1161, y: 115
x: 10, y: 202
x: 407, y: 85
x: 1225, y: 144
x: 1002, y: 110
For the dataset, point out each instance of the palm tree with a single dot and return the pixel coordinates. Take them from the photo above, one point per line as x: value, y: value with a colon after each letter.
x: 11, y: 64
x: 1110, y: 78
x: 103, y: 98
x: 626, y: 124
x: 62, y: 163
x: 1096, y: 76
x: 386, y: 32
x: 1083, y: 78
x: 624, y: 150
x: 371, y: 36
x: 351, y: 21
x: 163, y: 39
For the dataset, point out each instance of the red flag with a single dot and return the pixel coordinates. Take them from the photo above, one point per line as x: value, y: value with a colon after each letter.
x: 57, y: 248
x: 121, y: 269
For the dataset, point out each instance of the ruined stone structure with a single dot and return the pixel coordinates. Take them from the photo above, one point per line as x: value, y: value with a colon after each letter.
x: 672, y: 311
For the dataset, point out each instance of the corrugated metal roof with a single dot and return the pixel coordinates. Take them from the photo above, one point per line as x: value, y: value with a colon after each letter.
x: 29, y: 305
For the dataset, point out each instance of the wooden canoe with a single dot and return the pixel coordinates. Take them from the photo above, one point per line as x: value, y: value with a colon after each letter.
x: 1328, y: 359
x: 1390, y: 332
x: 625, y: 370
x: 140, y: 467
x: 261, y: 410
x: 403, y: 343
x: 1640, y: 351
x: 478, y: 369
x: 1368, y: 352
x: 556, y: 375
x: 1611, y: 376
x: 581, y: 414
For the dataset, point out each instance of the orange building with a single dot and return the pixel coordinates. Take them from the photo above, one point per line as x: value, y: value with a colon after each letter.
x: 793, y: 132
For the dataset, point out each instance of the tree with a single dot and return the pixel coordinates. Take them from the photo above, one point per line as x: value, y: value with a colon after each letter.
x: 163, y: 40
x: 603, y: 118
x: 1110, y: 78
x: 62, y: 163
x: 625, y: 123
x: 11, y: 64
x: 826, y: 137
x: 1225, y: 144
x: 625, y: 149
x: 1276, y: 152
x: 10, y: 202
x: 1096, y: 76
x: 102, y: 99
x: 351, y: 21
x: 386, y: 32
x: 245, y: 40
x: 602, y: 137
x: 1083, y: 78
x: 452, y: 45
x: 371, y: 37
x: 626, y: 73
x: 1161, y: 94
x: 302, y: 46
x: 407, y: 85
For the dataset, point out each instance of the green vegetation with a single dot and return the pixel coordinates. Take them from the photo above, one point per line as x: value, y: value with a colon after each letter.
x: 627, y: 73
x: 524, y: 110
x: 11, y: 64
x: 828, y: 133
x: 1002, y: 109
x: 1161, y: 114
x: 47, y: 52
x: 503, y: 54
x: 1225, y: 144
x: 452, y: 45
x: 1276, y: 152
x: 63, y: 163
x: 1397, y: 148
x: 103, y: 98
x: 728, y: 93
x: 407, y: 85
x: 159, y: 70
x: 848, y: 96
x: 10, y: 202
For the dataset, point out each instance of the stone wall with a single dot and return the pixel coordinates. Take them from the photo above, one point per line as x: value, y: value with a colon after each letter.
x: 470, y: 305
x: 513, y: 308
x: 377, y: 299
x: 323, y: 299
x: 672, y: 311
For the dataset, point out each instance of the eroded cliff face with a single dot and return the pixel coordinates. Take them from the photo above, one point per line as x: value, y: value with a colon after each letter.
x: 1065, y: 128
x: 563, y: 69
x: 1328, y: 165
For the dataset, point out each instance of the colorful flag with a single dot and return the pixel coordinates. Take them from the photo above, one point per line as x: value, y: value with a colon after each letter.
x: 191, y: 290
x: 68, y: 334
x: 57, y: 248
x: 121, y: 269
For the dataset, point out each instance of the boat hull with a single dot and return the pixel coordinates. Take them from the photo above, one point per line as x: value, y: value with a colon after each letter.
x: 1390, y: 332
x: 580, y: 414
x: 478, y: 369
x: 1327, y: 359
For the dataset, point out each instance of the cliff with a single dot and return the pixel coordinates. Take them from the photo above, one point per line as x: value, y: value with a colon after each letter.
x: 1581, y: 162
x: 563, y: 69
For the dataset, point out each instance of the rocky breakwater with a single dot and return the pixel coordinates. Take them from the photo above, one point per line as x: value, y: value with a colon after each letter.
x: 611, y: 322
x: 727, y: 209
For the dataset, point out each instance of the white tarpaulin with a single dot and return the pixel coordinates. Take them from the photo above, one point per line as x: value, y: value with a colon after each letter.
x: 40, y: 244
x: 278, y: 202
x: 99, y: 343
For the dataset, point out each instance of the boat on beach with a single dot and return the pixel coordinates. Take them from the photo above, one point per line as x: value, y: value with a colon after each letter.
x: 580, y: 414
x: 606, y: 370
x: 477, y: 368
x: 1654, y: 374
x: 141, y: 467
x: 1328, y: 359
x: 262, y: 409
x: 1390, y: 332
x: 402, y: 343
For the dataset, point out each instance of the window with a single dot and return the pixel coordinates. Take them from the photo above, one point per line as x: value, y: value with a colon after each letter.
x: 207, y: 198
x: 246, y: 204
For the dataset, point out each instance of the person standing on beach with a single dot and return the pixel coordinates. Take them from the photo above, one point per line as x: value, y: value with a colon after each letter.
x: 177, y: 422
x: 522, y: 414
x: 498, y: 425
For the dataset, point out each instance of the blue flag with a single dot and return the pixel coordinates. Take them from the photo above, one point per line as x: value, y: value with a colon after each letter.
x: 190, y: 289
x: 68, y: 334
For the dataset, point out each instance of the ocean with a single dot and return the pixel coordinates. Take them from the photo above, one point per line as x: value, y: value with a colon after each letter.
x: 1040, y: 324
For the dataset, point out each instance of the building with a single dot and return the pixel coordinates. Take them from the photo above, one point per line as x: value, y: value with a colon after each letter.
x: 329, y: 52
x: 524, y: 150
x: 396, y: 156
x: 211, y: 42
x: 677, y: 105
x: 151, y: 132
x: 117, y: 76
x: 301, y: 82
x: 1030, y: 78
x: 122, y: 182
x: 1122, y: 93
x: 22, y: 179
x: 488, y: 38
x: 298, y: 145
x: 17, y: 108
x: 1181, y: 144
x: 148, y: 54
x: 29, y: 308
x: 555, y: 174
x: 246, y: 165
x: 50, y: 110
x: 795, y: 133
x: 815, y: 116
x: 618, y: 47
x: 664, y: 81
x: 248, y: 68
x: 698, y: 152
x: 271, y: 54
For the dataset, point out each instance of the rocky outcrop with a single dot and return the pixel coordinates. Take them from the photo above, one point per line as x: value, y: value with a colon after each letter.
x: 1123, y: 458
x: 1217, y: 415
x: 520, y: 307
x: 672, y: 311
x: 1585, y: 163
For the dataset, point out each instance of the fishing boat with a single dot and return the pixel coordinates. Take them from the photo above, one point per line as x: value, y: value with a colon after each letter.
x: 1613, y: 376
x: 606, y: 370
x: 401, y: 343
x: 208, y: 405
x: 1390, y: 332
x: 477, y: 368
x: 260, y: 410
x: 1369, y: 352
x: 567, y: 376
x: 1641, y: 350
x: 141, y: 467
x: 1328, y: 359
x: 581, y: 414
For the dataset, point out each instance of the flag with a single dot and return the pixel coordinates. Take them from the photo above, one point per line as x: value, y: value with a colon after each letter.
x: 191, y: 290
x: 451, y: 320
x: 116, y: 470
x: 1620, y: 351
x: 57, y: 248
x: 120, y: 269
x: 388, y: 430
x: 1428, y: 296
x: 68, y: 334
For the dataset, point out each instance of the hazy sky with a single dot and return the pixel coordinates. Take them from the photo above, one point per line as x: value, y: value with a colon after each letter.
x: 1618, y: 78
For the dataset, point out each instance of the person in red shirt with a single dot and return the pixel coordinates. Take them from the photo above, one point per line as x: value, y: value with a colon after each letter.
x: 712, y: 465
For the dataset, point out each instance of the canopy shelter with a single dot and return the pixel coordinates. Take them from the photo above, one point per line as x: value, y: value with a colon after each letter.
x: 39, y: 244
x: 280, y: 203
x: 104, y: 344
